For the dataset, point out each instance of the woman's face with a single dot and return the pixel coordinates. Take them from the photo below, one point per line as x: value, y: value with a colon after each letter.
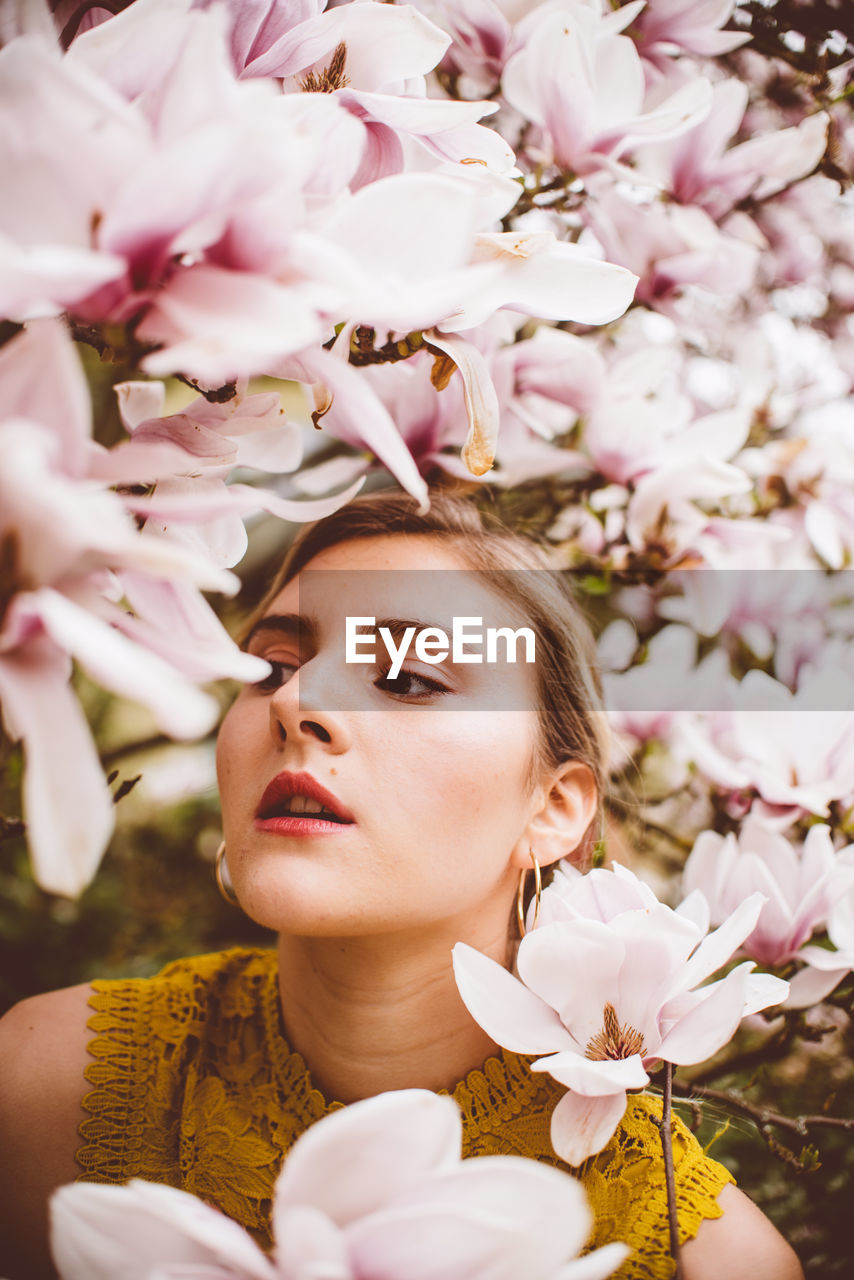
x: 428, y: 773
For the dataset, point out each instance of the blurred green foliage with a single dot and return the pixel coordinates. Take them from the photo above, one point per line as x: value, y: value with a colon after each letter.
x: 154, y: 899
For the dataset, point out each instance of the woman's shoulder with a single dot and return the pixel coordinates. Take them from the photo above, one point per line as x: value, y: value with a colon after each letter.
x: 742, y: 1245
x: 43, y: 1057
x: 43, y: 1038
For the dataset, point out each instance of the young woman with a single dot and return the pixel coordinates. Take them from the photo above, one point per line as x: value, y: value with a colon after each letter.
x: 372, y: 817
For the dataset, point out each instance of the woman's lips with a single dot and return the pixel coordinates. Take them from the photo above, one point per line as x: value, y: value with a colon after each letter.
x: 297, y: 824
x: 271, y: 814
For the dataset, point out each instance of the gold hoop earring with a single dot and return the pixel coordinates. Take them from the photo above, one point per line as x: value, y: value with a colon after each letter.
x: 223, y: 879
x: 520, y: 895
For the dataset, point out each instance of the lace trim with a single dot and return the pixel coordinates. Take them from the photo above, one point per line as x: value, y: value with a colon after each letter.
x: 194, y: 1085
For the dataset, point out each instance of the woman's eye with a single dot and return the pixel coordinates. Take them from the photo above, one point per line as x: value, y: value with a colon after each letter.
x: 280, y: 673
x: 409, y: 685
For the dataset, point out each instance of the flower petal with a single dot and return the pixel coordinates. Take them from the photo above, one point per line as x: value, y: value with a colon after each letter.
x: 709, y: 1025
x: 716, y: 948
x: 551, y: 960
x: 100, y: 1232
x: 67, y: 806
x: 309, y: 1245
x: 582, y: 1126
x: 179, y: 708
x: 511, y: 1014
x: 811, y: 985
x: 384, y: 1144
x: 359, y: 409
x: 495, y: 1218
x: 594, y: 1077
x: 555, y: 281
x: 478, y: 452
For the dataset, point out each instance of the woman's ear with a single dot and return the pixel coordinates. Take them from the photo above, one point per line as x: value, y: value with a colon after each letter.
x: 570, y: 799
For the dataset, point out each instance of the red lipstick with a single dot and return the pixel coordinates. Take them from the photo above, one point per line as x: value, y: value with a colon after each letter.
x: 276, y: 814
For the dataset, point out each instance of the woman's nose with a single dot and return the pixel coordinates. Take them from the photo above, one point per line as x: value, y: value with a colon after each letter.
x: 301, y: 712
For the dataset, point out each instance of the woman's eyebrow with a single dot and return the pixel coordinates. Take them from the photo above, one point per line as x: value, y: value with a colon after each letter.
x: 397, y: 626
x: 289, y: 624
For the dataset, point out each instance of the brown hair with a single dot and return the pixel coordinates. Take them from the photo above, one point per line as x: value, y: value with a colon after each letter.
x: 572, y: 724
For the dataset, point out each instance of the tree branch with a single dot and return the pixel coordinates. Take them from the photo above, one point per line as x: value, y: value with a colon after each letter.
x: 764, y: 1116
x: 666, y: 1130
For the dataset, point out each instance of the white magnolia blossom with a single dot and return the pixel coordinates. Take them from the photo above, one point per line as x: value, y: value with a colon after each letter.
x: 802, y: 889
x: 377, y: 1189
x: 641, y: 1000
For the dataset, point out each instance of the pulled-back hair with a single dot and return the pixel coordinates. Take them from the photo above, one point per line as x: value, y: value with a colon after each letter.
x: 572, y: 724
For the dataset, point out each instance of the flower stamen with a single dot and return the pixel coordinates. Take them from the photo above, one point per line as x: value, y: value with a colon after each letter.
x: 330, y: 78
x: 614, y: 1041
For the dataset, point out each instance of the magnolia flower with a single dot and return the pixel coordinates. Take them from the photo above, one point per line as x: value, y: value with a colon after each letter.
x: 607, y: 993
x: 787, y: 747
x: 670, y: 246
x: 664, y: 27
x: 663, y: 514
x: 646, y: 388
x: 700, y: 168
x: 373, y: 58
x: 191, y: 501
x: 584, y: 84
x: 376, y: 1190
x: 482, y: 34
x: 72, y: 552
x: 602, y: 894
x: 765, y: 607
x: 801, y: 889
x: 645, y: 699
x: 817, y: 470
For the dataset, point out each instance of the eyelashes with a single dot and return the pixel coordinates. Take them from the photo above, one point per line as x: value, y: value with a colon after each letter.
x: 401, y: 686
x: 281, y: 672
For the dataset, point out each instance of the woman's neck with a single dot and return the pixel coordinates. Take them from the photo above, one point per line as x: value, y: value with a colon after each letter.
x: 374, y: 1014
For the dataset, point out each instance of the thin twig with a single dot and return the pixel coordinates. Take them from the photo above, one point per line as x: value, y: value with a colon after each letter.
x: 112, y: 757
x: 665, y: 1128
x: 214, y: 395
x: 765, y: 1116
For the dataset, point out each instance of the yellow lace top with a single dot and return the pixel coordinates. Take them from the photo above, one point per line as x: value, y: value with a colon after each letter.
x: 194, y: 1085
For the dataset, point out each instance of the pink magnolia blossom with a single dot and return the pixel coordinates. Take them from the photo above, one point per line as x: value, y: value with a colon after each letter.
x: 765, y: 607
x: 609, y: 990
x: 603, y: 893
x: 818, y: 470
x: 801, y: 888
x: 76, y: 127
x: 700, y: 167
x: 583, y: 83
x: 536, y: 381
x: 191, y: 499
x: 532, y: 273
x: 230, y: 245
x: 72, y: 548
x: 646, y: 699
x: 665, y: 27
x: 664, y: 512
x: 800, y: 885
x: 377, y: 1189
x: 373, y: 59
x: 482, y: 35
x: 672, y: 246
x: 794, y: 750
x: 645, y: 387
